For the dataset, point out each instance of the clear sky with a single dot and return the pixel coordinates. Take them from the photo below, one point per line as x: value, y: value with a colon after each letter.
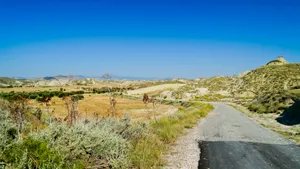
x: 145, y: 38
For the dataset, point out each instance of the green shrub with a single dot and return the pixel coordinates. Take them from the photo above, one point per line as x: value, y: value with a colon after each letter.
x: 40, y: 96
x: 8, y: 131
x: 80, y: 146
x: 27, y: 153
x: 32, y: 153
x: 84, y: 140
x: 209, y: 97
x: 272, y: 102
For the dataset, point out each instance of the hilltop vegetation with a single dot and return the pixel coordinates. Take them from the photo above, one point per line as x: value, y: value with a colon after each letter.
x: 6, y: 82
x: 268, y: 79
x: 217, y: 83
x: 271, y: 78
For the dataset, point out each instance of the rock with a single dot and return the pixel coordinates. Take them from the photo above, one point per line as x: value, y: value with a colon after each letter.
x: 279, y: 61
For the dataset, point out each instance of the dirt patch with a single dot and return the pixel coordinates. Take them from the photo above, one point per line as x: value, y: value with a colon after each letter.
x: 154, y: 88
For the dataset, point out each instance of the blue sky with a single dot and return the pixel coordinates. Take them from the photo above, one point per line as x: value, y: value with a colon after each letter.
x: 187, y: 38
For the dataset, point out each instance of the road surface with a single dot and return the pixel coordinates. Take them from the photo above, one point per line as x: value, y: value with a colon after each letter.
x: 230, y: 140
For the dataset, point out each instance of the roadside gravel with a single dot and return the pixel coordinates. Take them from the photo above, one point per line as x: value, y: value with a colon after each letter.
x: 185, y: 152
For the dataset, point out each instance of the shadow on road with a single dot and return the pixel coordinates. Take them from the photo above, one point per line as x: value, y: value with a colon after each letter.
x: 247, y: 155
x: 291, y: 116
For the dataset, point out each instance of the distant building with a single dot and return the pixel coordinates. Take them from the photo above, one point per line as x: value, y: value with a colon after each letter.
x: 279, y: 61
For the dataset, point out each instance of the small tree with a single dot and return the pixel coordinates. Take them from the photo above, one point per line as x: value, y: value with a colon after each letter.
x: 45, y: 99
x: 71, y: 103
x: 17, y: 107
x: 145, y: 99
x: 107, y: 76
x: 153, y: 101
x: 113, y: 103
x: 112, y: 100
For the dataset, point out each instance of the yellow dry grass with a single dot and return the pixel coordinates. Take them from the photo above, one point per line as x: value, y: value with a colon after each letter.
x: 99, y: 104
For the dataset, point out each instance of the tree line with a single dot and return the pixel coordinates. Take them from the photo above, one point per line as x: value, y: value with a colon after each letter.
x: 39, y: 96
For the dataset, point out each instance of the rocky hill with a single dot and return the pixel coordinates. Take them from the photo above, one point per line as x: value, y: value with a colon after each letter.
x: 46, y: 81
x: 275, y: 76
x: 12, y: 82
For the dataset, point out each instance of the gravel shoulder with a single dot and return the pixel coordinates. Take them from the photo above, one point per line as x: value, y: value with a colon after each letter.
x: 185, y: 154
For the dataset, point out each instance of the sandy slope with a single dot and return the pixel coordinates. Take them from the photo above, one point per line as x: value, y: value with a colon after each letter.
x: 154, y: 88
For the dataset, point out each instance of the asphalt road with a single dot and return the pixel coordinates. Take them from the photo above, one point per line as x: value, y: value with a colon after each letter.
x: 230, y: 140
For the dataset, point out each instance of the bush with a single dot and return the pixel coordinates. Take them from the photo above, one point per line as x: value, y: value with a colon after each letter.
x: 78, y: 97
x: 8, y: 131
x: 32, y: 153
x: 107, y: 139
x: 83, y: 145
x: 40, y: 96
x: 272, y: 102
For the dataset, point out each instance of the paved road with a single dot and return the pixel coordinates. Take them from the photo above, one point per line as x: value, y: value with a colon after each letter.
x: 230, y: 140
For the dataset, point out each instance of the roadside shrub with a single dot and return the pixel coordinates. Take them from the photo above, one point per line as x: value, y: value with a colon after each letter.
x: 170, y: 128
x: 272, y: 102
x: 27, y: 153
x: 107, y: 140
x: 8, y: 131
x: 147, y: 151
x: 32, y: 153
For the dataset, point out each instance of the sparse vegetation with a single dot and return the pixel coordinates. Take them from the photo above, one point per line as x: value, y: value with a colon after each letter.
x: 45, y: 128
x: 272, y: 102
x: 268, y: 79
x: 103, y: 143
x: 147, y: 153
x: 42, y: 95
x: 210, y: 97
x: 216, y: 83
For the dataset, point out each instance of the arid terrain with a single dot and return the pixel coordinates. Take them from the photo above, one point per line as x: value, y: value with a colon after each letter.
x: 153, y: 121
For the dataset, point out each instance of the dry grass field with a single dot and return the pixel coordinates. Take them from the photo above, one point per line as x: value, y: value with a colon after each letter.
x: 153, y: 89
x: 98, y: 105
